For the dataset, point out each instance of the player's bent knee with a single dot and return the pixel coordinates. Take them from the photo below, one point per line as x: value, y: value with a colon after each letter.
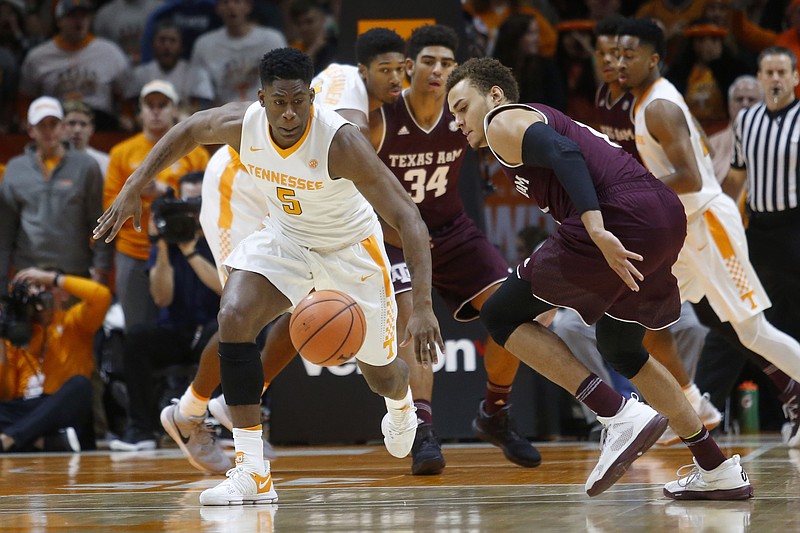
x: 241, y: 372
x: 498, y: 324
x: 627, y: 363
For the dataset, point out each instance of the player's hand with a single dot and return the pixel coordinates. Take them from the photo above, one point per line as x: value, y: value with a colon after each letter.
x: 126, y: 205
x: 619, y: 259
x: 423, y: 331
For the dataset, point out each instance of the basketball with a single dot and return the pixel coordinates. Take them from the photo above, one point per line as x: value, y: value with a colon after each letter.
x: 327, y: 327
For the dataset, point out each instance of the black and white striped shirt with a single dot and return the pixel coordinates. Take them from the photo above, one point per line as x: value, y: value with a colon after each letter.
x: 768, y: 145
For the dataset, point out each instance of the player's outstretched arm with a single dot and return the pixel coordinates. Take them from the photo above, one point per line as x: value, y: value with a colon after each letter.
x: 219, y: 125
x: 352, y: 157
x: 665, y: 121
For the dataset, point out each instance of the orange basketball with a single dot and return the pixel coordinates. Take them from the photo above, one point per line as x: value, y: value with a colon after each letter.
x: 327, y: 327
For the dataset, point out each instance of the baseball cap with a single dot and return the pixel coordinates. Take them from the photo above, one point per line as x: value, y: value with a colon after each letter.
x: 43, y: 107
x: 162, y: 87
x: 65, y: 7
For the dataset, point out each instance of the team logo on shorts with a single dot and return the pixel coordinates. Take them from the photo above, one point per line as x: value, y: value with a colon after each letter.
x: 313, y: 163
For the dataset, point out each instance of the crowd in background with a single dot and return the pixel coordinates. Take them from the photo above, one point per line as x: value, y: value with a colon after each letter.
x: 69, y: 68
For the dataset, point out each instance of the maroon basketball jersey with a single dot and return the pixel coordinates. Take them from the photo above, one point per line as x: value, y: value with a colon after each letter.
x: 615, y: 119
x: 609, y: 166
x: 427, y: 163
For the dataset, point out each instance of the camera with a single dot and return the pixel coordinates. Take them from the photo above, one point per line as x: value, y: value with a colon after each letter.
x: 17, y: 310
x: 176, y: 220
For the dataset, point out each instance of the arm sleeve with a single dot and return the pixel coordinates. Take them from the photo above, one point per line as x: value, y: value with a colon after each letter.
x: 544, y: 147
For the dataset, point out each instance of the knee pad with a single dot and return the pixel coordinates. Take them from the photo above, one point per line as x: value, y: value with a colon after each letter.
x: 241, y: 373
x: 620, y: 344
x: 509, y: 307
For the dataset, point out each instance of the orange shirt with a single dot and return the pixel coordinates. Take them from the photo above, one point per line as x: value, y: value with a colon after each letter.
x: 62, y: 350
x: 124, y: 159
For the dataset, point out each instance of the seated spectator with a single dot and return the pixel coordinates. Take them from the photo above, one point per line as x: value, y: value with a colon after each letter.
x: 673, y: 16
x: 313, y: 31
x: 230, y: 55
x: 77, y: 65
x: 45, y: 392
x: 79, y: 128
x: 50, y: 199
x: 194, y: 90
x: 492, y: 13
x: 538, y: 76
x: 193, y: 17
x: 122, y: 21
x: 185, y: 286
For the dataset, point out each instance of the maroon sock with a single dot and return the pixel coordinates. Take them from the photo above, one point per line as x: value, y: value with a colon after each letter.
x: 705, y: 450
x: 599, y: 397
x: 497, y: 397
x: 787, y: 387
x: 424, y: 412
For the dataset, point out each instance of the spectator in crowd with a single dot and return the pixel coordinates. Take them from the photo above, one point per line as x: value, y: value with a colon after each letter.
x: 673, y: 16
x: 230, y: 55
x: 79, y: 128
x: 13, y: 47
x: 13, y: 36
x: 184, y: 284
x: 77, y: 65
x: 195, y: 91
x: 45, y: 393
x: 743, y: 92
x: 704, y: 71
x: 574, y: 58
x: 492, y: 13
x: 314, y: 35
x: 538, y: 76
x: 159, y: 102
x: 601, y: 9
x: 49, y: 199
x: 122, y: 21
x: 193, y: 17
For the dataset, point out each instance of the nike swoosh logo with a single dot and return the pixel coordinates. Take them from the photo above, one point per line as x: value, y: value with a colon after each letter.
x: 262, y: 484
x: 254, y: 149
x: 364, y: 278
x: 185, y: 440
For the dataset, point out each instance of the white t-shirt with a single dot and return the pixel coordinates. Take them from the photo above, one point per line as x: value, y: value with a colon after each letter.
x: 187, y: 81
x: 92, y: 73
x: 123, y: 21
x: 231, y: 64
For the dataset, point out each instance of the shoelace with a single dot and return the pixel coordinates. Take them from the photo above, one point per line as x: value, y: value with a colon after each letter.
x: 237, y: 476
x: 685, y: 477
x: 604, y: 433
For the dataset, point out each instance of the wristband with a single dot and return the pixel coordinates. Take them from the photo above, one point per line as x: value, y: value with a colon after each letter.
x: 189, y: 256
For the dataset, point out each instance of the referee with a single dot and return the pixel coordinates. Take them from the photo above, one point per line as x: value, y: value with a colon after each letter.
x: 766, y: 155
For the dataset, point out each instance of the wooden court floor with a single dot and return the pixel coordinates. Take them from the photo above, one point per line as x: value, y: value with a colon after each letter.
x: 363, y: 489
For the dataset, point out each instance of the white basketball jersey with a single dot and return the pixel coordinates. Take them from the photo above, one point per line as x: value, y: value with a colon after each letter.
x: 305, y: 202
x: 233, y: 205
x: 655, y: 158
x: 341, y: 87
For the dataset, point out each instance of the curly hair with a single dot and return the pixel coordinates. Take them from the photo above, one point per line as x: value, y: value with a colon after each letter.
x: 648, y: 32
x: 431, y: 35
x: 484, y: 73
x: 285, y: 64
x: 378, y: 41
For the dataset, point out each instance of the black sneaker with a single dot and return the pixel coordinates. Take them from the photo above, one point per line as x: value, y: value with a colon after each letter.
x: 63, y: 440
x: 427, y: 452
x: 498, y: 429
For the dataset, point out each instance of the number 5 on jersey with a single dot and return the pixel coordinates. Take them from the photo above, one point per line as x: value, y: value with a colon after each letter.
x: 290, y: 204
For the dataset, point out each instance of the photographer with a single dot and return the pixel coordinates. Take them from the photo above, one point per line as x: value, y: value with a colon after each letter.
x: 46, y: 359
x: 186, y: 288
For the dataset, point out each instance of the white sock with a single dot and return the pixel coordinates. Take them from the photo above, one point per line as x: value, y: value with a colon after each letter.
x: 397, y: 408
x: 250, y: 448
x: 692, y: 394
x: 191, y: 404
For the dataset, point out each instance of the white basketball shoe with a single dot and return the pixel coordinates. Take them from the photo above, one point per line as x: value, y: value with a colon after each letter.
x: 728, y: 481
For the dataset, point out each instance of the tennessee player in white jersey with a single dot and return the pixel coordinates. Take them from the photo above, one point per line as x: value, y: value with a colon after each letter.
x: 713, y: 262
x: 321, y: 176
x: 355, y: 91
